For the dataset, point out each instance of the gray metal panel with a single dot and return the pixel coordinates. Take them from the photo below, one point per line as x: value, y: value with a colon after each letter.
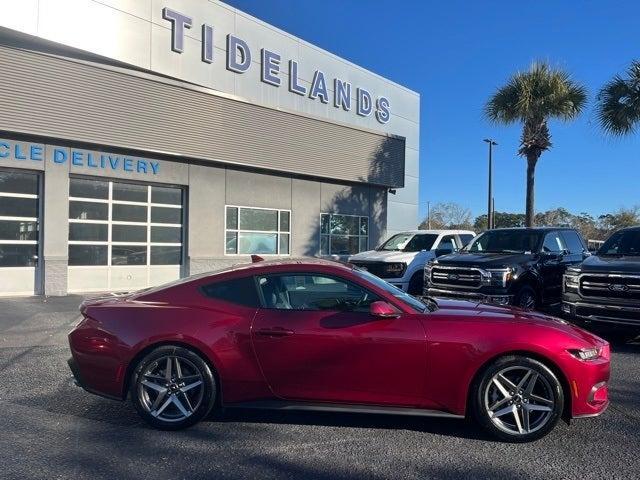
x: 60, y: 98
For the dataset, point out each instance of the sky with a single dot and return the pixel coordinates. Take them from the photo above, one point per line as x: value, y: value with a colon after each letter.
x: 456, y: 54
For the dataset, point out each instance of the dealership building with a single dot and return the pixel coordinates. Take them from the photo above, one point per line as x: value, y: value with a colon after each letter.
x: 145, y: 140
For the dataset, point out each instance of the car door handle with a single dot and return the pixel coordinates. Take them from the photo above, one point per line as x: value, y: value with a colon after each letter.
x: 275, y: 332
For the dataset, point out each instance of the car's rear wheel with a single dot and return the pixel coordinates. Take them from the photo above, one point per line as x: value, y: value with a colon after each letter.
x: 518, y: 399
x: 173, y: 388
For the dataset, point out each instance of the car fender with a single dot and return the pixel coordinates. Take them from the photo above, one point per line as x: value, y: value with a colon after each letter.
x: 528, y: 277
x: 418, y: 264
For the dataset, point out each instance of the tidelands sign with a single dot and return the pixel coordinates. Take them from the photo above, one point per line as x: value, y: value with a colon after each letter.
x: 239, y: 57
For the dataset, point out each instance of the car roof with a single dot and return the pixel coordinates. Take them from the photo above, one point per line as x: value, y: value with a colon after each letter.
x: 532, y: 229
x: 256, y: 267
x: 288, y: 261
x: 436, y: 232
x: 634, y: 228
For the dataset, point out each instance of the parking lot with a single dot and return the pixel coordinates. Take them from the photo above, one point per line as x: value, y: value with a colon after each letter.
x: 52, y: 429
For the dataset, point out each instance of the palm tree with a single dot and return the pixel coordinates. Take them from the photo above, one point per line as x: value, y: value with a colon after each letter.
x: 618, y: 107
x: 532, y: 98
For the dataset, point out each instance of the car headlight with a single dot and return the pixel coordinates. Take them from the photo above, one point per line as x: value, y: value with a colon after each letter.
x: 586, y: 353
x: 427, y: 270
x: 395, y: 269
x: 571, y: 281
x: 498, y: 277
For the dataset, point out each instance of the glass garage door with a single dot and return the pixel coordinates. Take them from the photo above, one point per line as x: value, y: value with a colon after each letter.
x: 123, y: 236
x: 19, y: 232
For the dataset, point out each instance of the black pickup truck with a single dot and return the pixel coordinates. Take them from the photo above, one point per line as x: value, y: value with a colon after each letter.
x: 604, y: 291
x: 508, y: 266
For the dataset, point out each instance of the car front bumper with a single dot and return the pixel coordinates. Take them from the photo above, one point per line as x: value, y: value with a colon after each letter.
x: 599, y: 312
x: 495, y: 299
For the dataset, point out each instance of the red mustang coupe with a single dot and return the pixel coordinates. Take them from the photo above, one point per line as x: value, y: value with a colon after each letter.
x: 312, y: 334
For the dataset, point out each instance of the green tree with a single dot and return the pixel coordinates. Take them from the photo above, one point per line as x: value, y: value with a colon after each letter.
x: 624, y: 217
x: 532, y: 98
x: 618, y: 102
x: 501, y: 220
x: 448, y: 215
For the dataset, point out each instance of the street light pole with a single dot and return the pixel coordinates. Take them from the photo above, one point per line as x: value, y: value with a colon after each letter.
x: 491, y: 143
x: 428, y: 215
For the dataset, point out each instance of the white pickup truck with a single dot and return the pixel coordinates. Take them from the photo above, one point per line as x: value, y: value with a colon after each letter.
x: 401, y: 259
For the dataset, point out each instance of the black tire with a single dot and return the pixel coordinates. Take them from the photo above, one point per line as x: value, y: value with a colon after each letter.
x: 526, y: 298
x: 546, y: 387
x: 416, y: 284
x: 197, y: 401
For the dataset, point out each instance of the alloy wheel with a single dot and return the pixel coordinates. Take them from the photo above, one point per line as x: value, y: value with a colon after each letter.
x: 171, y: 388
x: 519, y: 400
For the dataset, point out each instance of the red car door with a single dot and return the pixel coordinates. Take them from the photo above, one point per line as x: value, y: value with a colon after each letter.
x: 316, y: 341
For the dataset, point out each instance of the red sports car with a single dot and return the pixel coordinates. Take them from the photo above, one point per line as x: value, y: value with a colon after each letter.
x: 312, y: 334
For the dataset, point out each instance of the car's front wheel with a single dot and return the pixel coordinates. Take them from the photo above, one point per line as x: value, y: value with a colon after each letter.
x: 518, y: 399
x: 416, y: 284
x: 172, y: 388
x: 526, y: 298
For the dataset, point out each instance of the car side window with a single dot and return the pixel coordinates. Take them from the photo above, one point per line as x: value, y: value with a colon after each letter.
x: 241, y: 291
x: 553, y: 243
x: 419, y: 243
x: 313, y: 292
x: 448, y: 243
x: 573, y: 242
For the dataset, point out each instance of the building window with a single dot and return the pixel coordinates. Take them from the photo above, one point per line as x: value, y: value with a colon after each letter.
x: 343, y: 234
x: 260, y: 231
x: 19, y: 219
x: 117, y: 223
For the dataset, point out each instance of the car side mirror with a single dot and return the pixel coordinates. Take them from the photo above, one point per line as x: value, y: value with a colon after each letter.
x: 382, y: 309
x: 443, y: 251
x: 551, y: 256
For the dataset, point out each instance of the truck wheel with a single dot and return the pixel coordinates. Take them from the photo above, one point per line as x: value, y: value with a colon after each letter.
x: 526, y: 298
x: 416, y: 284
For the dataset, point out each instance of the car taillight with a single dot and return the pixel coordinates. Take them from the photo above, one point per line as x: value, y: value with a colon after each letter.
x: 605, y: 352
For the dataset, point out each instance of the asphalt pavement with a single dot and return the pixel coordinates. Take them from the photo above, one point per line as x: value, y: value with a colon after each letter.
x: 51, y: 429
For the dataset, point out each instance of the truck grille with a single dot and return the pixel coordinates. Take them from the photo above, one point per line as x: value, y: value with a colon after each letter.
x: 605, y: 286
x: 455, y: 277
x: 379, y: 269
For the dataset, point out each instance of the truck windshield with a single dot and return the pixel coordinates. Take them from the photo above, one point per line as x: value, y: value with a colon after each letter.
x: 506, y: 241
x: 622, y: 243
x: 409, y: 242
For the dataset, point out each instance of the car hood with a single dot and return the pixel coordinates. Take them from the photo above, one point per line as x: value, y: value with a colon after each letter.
x: 472, y: 311
x: 382, y: 256
x: 598, y: 264
x: 484, y: 260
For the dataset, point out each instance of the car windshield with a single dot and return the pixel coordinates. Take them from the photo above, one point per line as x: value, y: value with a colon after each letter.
x: 506, y: 241
x: 409, y: 242
x: 412, y: 302
x: 622, y: 243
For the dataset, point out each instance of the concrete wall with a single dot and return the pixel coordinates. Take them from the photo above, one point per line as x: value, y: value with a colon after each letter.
x: 139, y: 36
x: 209, y: 190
